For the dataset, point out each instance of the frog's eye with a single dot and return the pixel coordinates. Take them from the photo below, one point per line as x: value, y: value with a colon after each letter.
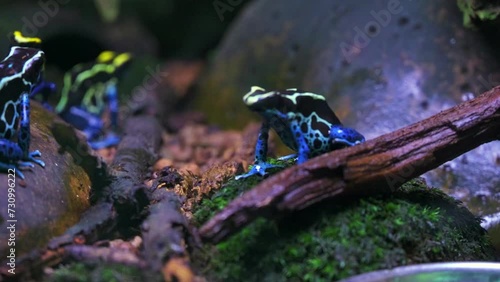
x: 18, y: 39
x: 254, y: 89
x: 122, y: 59
x: 255, y: 95
x: 105, y: 57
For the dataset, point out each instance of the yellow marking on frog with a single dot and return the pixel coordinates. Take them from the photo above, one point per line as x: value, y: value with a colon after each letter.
x: 105, y: 56
x: 252, y: 97
x: 96, y: 91
x: 78, y: 81
x: 20, y: 38
x: 121, y: 59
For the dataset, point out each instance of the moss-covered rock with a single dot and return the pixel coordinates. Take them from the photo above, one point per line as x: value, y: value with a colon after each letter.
x: 50, y: 199
x: 337, y: 239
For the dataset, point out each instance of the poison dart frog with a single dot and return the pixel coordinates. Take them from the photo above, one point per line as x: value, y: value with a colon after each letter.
x: 303, y: 121
x: 42, y: 87
x: 20, y: 72
x: 88, y: 89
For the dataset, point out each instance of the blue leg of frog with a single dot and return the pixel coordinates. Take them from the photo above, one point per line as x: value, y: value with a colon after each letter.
x: 91, y: 125
x: 24, y: 136
x: 18, y: 154
x: 45, y: 89
x: 112, y: 138
x: 10, y: 151
x: 112, y: 96
x: 260, y: 164
x: 302, y: 147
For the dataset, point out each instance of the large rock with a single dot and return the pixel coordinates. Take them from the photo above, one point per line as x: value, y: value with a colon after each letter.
x: 50, y: 199
x: 381, y: 64
x: 341, y: 238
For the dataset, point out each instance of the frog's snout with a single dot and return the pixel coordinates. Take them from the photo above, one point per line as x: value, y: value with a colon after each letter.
x: 346, y: 135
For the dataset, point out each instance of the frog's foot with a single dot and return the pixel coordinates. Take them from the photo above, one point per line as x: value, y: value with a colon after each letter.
x: 258, y: 169
x: 288, y: 157
x: 31, y: 158
x: 111, y: 139
x: 47, y: 106
x: 12, y: 167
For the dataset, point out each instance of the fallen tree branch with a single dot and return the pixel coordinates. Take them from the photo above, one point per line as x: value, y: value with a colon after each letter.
x: 376, y: 166
x: 167, y: 235
x: 125, y: 197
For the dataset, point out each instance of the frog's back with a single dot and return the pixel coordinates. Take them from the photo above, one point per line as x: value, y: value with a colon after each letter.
x: 19, y: 71
x: 307, y: 104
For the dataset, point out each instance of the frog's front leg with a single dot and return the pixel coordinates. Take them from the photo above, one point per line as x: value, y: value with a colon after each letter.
x: 24, y: 135
x: 260, y: 164
x: 302, y: 146
x: 112, y: 98
x: 45, y: 89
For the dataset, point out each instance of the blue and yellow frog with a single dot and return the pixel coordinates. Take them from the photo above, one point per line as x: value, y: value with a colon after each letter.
x: 42, y: 88
x: 303, y: 121
x: 88, y: 89
x: 20, y: 72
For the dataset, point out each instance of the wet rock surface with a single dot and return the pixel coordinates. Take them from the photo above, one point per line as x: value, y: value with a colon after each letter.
x: 50, y: 199
x: 382, y: 65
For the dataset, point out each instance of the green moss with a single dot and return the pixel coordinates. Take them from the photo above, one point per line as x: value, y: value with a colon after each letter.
x: 338, y: 239
x: 233, y: 188
x: 103, y: 272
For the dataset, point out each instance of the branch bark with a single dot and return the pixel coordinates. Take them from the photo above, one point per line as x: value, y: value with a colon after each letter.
x: 377, y: 166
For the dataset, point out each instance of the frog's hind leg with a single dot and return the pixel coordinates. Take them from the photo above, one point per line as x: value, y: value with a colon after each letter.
x: 45, y: 89
x: 11, y: 151
x: 24, y: 135
x: 82, y: 120
x: 92, y: 127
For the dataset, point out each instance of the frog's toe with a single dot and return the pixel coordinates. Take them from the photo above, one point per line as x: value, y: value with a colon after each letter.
x: 39, y: 162
x: 287, y: 157
x: 48, y: 106
x: 35, y: 154
x: 25, y: 165
x: 258, y: 169
x: 109, y: 141
x: 9, y: 167
x: 20, y: 174
x: 248, y: 174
